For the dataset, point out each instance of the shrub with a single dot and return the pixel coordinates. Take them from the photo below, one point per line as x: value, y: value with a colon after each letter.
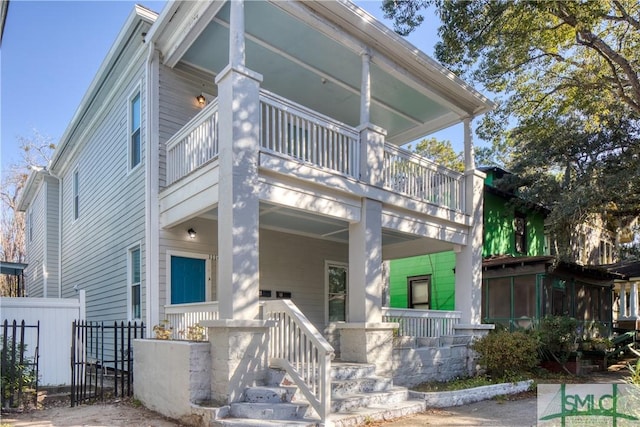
x: 558, y: 337
x: 508, y: 355
x: 634, y: 377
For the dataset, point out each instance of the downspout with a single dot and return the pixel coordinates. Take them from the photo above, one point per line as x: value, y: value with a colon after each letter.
x: 151, y: 191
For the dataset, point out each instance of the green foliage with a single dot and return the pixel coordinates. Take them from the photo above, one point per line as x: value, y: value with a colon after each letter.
x: 567, y: 75
x: 441, y: 152
x: 558, y: 337
x: 508, y: 355
x: 17, y: 376
x: 634, y: 377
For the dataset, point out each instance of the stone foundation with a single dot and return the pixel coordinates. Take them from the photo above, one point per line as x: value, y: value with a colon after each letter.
x: 412, y: 366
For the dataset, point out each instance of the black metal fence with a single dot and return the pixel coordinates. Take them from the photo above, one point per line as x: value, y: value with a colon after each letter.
x: 102, y: 359
x: 19, y: 364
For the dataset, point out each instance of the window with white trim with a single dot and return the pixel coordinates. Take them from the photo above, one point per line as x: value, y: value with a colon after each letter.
x: 30, y: 225
x: 135, y: 151
x: 76, y: 194
x: 134, y: 283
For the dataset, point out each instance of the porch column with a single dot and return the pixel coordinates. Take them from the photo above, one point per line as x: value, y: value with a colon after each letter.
x: 365, y: 265
x: 238, y: 135
x: 622, y: 313
x: 365, y: 88
x: 633, y: 304
x: 468, y: 275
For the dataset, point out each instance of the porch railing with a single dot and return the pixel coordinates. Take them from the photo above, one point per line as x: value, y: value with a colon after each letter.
x: 183, y: 316
x: 194, y: 145
x: 296, y: 346
x: 295, y: 131
x: 408, y: 173
x: 422, y: 323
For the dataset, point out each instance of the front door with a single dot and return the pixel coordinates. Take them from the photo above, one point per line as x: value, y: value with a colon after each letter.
x: 188, y: 279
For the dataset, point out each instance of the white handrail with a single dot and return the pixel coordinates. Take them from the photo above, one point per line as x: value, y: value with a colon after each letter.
x: 194, y: 144
x: 296, y: 131
x: 296, y: 346
x: 422, y: 323
x: 183, y: 316
x: 416, y: 176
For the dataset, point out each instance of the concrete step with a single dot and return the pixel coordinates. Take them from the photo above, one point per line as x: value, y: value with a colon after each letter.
x: 343, y: 388
x: 350, y: 371
x: 365, y: 416
x: 361, y: 400
x: 239, y: 422
x: 269, y: 394
x: 269, y: 411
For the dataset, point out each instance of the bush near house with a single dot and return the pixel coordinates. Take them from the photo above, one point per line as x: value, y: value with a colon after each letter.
x: 507, y: 356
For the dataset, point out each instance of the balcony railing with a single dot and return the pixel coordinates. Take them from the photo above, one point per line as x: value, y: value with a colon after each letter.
x: 307, y: 136
x: 408, y: 173
x: 194, y: 145
x: 298, y: 133
x: 422, y: 323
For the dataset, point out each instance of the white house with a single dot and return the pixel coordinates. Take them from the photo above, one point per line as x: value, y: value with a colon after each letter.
x: 231, y: 153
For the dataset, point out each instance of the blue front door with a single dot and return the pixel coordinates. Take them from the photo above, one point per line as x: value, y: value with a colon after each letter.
x: 188, y: 280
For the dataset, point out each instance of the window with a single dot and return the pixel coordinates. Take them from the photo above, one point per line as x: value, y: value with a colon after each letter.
x: 419, y: 290
x: 134, y: 138
x: 76, y: 194
x: 520, y: 225
x: 336, y: 279
x: 134, y: 282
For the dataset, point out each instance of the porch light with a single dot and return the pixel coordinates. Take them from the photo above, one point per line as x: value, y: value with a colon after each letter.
x: 192, y: 233
x: 201, y: 99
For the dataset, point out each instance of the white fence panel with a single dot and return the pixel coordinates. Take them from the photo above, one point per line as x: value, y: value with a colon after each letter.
x: 56, y: 316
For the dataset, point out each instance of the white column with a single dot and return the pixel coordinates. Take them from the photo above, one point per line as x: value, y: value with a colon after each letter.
x: 365, y: 265
x: 238, y: 206
x: 236, y: 33
x: 365, y: 89
x: 468, y: 276
x: 633, y: 304
x: 469, y: 152
x: 623, y: 301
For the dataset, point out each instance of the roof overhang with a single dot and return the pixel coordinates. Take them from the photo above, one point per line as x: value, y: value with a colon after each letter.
x: 317, y: 61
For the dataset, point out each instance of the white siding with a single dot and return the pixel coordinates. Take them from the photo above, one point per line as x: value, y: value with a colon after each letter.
x: 52, y: 225
x: 112, y: 208
x: 288, y: 262
x: 177, y: 104
x: 35, y: 236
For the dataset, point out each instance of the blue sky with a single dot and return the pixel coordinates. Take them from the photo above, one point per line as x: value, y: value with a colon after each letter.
x: 52, y: 49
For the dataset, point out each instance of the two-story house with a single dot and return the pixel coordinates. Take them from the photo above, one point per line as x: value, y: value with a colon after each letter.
x: 521, y: 280
x: 229, y: 153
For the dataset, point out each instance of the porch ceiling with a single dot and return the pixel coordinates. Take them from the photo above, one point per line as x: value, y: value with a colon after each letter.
x: 287, y: 220
x: 313, y: 69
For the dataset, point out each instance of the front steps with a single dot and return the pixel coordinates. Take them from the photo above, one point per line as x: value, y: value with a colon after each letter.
x: 358, y: 396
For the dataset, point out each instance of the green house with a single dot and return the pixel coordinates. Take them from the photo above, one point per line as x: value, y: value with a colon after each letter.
x: 521, y: 281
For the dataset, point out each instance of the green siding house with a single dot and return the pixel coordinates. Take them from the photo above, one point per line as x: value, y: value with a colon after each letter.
x: 520, y: 281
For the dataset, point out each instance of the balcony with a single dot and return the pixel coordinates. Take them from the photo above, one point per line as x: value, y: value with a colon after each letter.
x: 295, y: 133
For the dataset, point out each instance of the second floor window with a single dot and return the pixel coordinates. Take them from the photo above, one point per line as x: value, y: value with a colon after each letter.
x: 520, y: 225
x: 134, y: 137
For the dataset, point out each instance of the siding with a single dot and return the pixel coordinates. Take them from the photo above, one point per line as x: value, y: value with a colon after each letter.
x: 288, y: 263
x: 177, y: 103
x: 439, y: 265
x: 112, y: 208
x: 35, y: 245
x: 52, y: 224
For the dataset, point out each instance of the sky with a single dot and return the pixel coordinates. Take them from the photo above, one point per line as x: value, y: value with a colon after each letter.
x: 52, y: 49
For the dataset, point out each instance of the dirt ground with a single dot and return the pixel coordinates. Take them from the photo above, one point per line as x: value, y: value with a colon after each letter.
x: 513, y: 412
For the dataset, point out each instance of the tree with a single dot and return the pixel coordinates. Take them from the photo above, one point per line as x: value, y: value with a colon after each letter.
x: 441, y: 152
x: 567, y: 75
x: 35, y: 152
x: 538, y: 53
